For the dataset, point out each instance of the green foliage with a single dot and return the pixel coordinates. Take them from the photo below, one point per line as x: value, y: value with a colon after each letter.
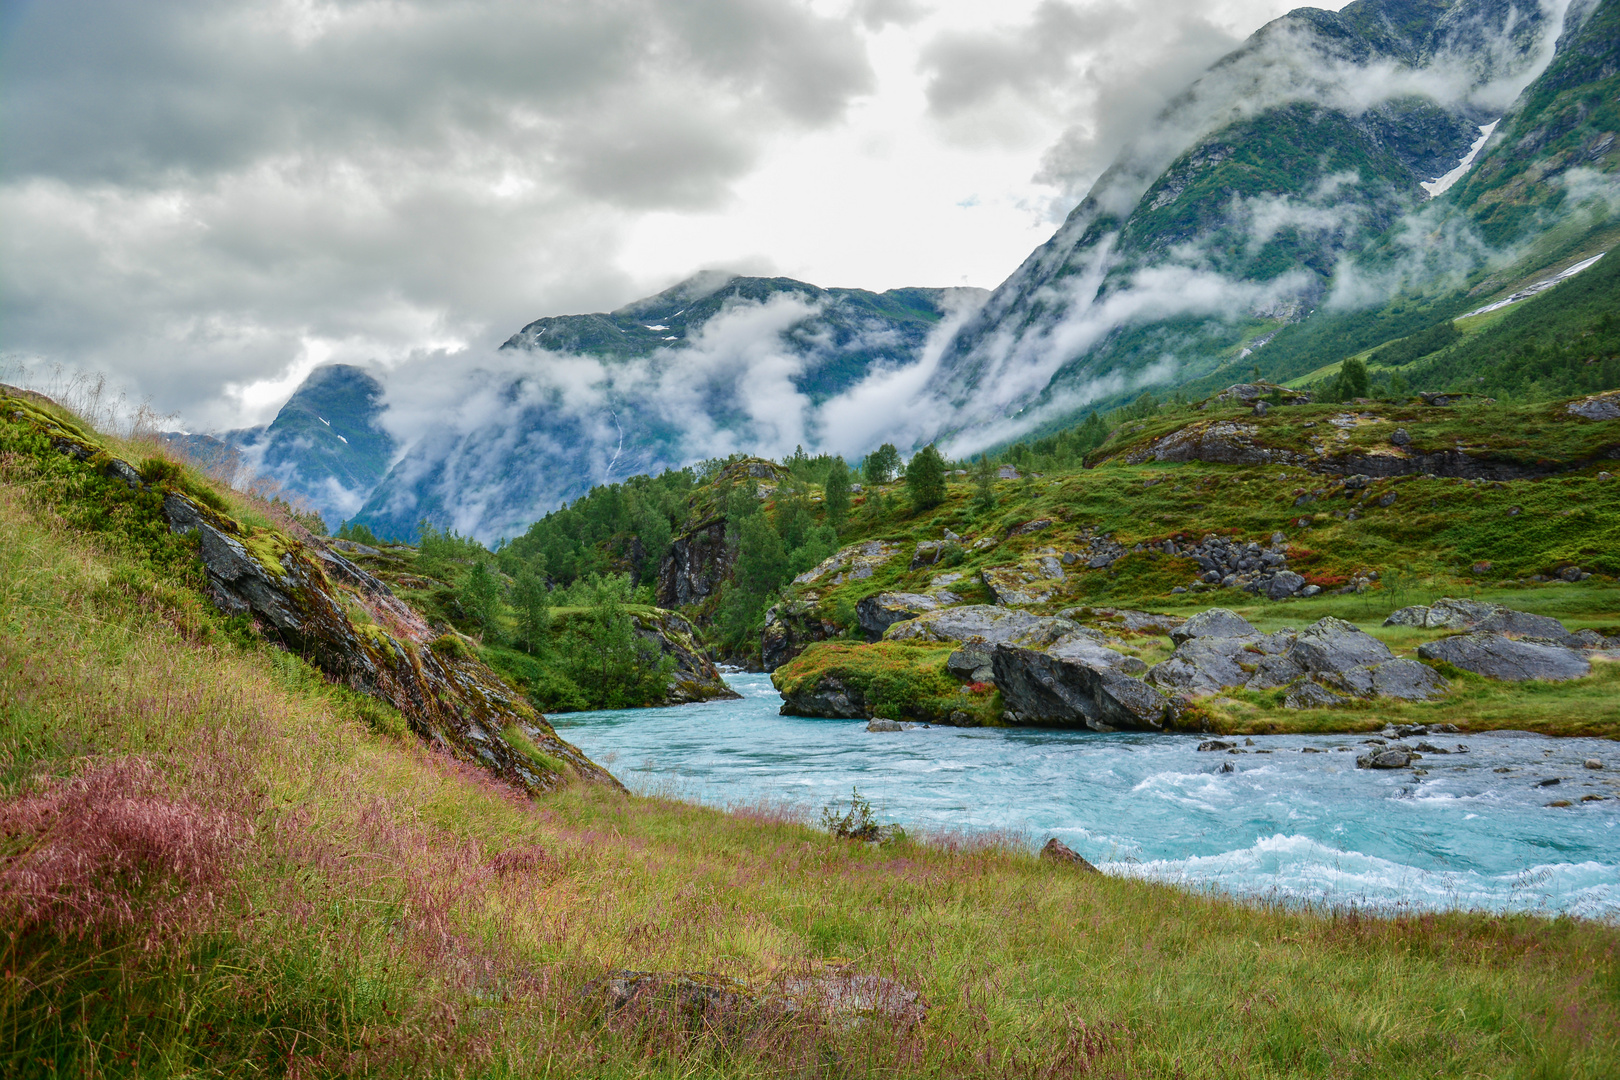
x: 531, y: 605
x: 440, y: 552
x: 451, y: 647
x: 856, y: 823
x: 614, y: 528
x: 984, y: 485
x: 358, y: 533
x: 1417, y: 346
x: 925, y: 478
x: 1352, y: 381
x: 600, y: 651
x: 835, y: 496
x: 881, y: 465
x: 480, y: 597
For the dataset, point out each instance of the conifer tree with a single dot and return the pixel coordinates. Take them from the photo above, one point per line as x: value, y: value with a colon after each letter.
x: 835, y: 497
x: 925, y: 478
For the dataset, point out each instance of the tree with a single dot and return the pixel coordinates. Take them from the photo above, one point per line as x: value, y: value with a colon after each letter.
x: 653, y: 530
x: 984, y: 485
x: 1352, y: 381
x: 1398, y: 387
x: 481, y: 599
x: 613, y: 666
x: 531, y: 602
x: 836, y: 496
x: 925, y: 478
x: 882, y: 464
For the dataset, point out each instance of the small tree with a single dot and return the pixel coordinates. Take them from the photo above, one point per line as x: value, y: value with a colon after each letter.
x: 836, y: 494
x: 925, y: 478
x: 613, y: 666
x: 984, y: 485
x: 481, y: 599
x: 1352, y: 381
x: 531, y: 602
x: 882, y: 464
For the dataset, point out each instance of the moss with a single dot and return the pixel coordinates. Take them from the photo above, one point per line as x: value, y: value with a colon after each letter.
x: 901, y: 680
x: 451, y: 646
x: 519, y: 741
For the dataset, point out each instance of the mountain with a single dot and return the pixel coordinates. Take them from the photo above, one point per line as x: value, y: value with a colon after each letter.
x: 1248, y: 204
x: 1344, y: 184
x: 715, y: 364
x: 326, y: 447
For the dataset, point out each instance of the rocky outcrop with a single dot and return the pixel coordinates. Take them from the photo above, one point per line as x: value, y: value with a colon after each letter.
x: 1033, y: 584
x: 1250, y: 393
x: 694, y: 677
x: 1077, y: 683
x: 695, y: 565
x: 1497, y: 656
x: 1597, y: 407
x: 790, y: 627
x: 351, y: 626
x: 877, y: 613
x: 1057, y: 851
x: 855, y: 563
x: 1217, y: 649
x: 828, y: 696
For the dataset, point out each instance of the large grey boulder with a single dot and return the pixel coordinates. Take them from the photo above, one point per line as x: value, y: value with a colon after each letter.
x: 1076, y: 682
x: 1214, y: 623
x: 1283, y: 584
x: 827, y: 696
x: 1497, y: 656
x: 1457, y: 614
x: 1333, y: 645
x: 1204, y: 666
x: 877, y: 613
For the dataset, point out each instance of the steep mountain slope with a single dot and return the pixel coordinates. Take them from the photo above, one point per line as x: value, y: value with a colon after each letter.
x: 1233, y: 216
x: 325, y: 447
x: 713, y: 364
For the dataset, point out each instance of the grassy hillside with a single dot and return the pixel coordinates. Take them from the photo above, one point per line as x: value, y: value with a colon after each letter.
x: 214, y: 865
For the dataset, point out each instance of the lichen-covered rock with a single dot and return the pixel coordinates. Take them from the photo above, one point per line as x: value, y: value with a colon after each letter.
x: 1308, y: 695
x: 694, y: 678
x: 695, y: 565
x: 1497, y: 656
x: 1597, y: 407
x: 877, y: 613
x: 1457, y: 614
x: 1076, y: 682
x: 790, y: 627
x: 854, y: 563
x: 827, y: 696
x: 446, y: 694
x: 1017, y: 585
x: 985, y: 624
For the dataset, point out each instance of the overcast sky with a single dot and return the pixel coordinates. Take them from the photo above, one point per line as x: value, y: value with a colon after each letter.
x: 205, y: 201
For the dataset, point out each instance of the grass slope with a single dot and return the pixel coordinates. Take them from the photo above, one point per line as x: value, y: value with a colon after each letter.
x: 213, y: 867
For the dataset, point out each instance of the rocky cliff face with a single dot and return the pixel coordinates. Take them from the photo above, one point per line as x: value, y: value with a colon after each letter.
x: 352, y: 627
x: 695, y: 677
x: 694, y: 566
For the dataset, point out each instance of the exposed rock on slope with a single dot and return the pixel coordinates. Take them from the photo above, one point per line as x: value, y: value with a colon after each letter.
x: 789, y: 627
x: 351, y: 626
x: 1078, y: 683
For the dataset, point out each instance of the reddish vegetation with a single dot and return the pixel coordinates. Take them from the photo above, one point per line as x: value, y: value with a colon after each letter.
x: 1326, y: 581
x: 110, y: 850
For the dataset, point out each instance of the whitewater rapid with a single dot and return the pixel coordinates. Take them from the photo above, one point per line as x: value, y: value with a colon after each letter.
x: 1286, y: 825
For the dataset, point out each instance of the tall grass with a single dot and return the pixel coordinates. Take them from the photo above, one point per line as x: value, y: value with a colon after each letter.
x: 214, y: 865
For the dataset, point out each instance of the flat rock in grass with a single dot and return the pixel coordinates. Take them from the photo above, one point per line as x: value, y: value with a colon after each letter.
x: 877, y: 613
x: 1075, y: 683
x: 1308, y: 695
x: 728, y: 1007
x: 1597, y: 407
x: 1059, y: 852
x: 1214, y: 623
x: 1134, y: 622
x: 1497, y: 656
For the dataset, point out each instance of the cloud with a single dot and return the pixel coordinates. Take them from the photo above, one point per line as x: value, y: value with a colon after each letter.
x: 201, y: 196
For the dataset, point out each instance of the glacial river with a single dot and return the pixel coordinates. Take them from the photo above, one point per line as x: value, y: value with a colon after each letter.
x: 1285, y: 825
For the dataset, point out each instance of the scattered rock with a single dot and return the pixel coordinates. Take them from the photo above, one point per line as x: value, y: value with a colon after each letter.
x: 731, y: 1008
x: 1497, y: 656
x: 1384, y: 759
x: 854, y: 563
x: 1056, y: 850
x: 1554, y: 782
x: 1213, y: 623
x: 1215, y: 745
x: 1401, y: 438
x: 878, y: 723
x: 1593, y: 763
x: 1309, y: 695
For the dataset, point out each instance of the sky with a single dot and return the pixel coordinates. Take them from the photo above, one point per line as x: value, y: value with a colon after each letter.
x: 204, y: 202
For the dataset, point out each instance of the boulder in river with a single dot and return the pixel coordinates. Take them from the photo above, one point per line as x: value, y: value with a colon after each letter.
x: 1387, y: 758
x: 1497, y: 656
x: 1077, y: 682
